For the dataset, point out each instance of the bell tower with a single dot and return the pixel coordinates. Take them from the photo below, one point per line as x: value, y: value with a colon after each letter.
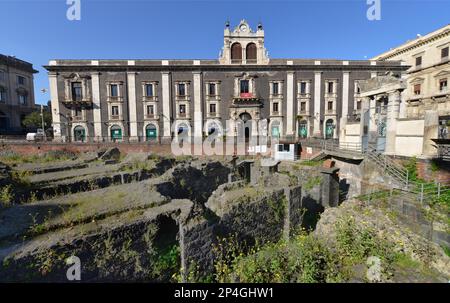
x: 243, y: 46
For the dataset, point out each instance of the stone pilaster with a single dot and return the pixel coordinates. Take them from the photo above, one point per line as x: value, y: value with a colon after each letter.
x: 58, y: 127
x: 132, y: 105
x: 166, y: 100
x: 317, y: 132
x: 290, y: 104
x: 345, y: 100
x: 96, y: 107
x: 391, y: 125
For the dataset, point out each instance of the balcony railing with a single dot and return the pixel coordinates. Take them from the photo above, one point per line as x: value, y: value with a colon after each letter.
x: 236, y: 61
x: 251, y: 61
x: 115, y: 99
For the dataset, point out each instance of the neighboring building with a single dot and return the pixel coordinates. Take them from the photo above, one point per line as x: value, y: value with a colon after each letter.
x: 139, y: 100
x: 16, y: 94
x: 427, y: 80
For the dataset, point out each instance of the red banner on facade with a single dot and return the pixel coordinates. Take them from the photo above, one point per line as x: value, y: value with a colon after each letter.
x: 246, y: 95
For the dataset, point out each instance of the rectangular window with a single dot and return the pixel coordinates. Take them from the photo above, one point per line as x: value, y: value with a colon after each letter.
x: 114, y: 111
x: 303, y: 88
x: 275, y: 107
x: 286, y: 147
x: 77, y: 112
x: 212, y: 108
x: 149, y: 90
x: 418, y: 61
x: 114, y: 90
x: 77, y: 94
x: 443, y: 85
x: 2, y: 95
x: 182, y: 109
x: 417, y: 89
x: 181, y: 89
x: 244, y: 87
x: 212, y: 89
x: 358, y: 104
x: 357, y: 88
x: 444, y: 53
x: 21, y: 80
x: 23, y: 99
x: 303, y: 107
x: 330, y: 105
x: 275, y: 88
x: 330, y: 87
x: 150, y: 110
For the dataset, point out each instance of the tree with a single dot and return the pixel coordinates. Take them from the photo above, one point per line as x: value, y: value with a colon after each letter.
x: 34, y: 120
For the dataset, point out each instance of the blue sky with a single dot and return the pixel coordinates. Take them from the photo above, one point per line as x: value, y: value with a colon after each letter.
x: 37, y: 31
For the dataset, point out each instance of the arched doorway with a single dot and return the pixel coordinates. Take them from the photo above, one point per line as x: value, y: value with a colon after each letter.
x: 275, y: 129
x: 79, y: 134
x: 329, y: 129
x: 303, y: 129
x: 3, y: 121
x: 213, y: 128
x: 116, y: 133
x: 245, y: 117
x: 236, y: 52
x: 250, y: 52
x: 150, y: 132
x: 182, y: 130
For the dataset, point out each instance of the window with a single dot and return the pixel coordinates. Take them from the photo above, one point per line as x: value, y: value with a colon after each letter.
x: 23, y: 99
x: 114, y: 90
x: 444, y: 53
x: 77, y: 112
x: 251, y: 51
x: 77, y: 94
x: 419, y: 61
x: 275, y: 88
x: 182, y: 109
x: 2, y: 75
x: 330, y: 87
x: 303, y: 88
x: 358, y: 104
x: 212, y: 108
x: 149, y: 90
x: 275, y: 107
x: 114, y: 111
x: 357, y: 88
x: 244, y: 87
x: 212, y: 89
x: 330, y: 105
x: 181, y: 89
x: 2, y: 95
x: 150, y: 110
x: 443, y: 85
x: 303, y: 107
x: 283, y: 148
x: 417, y: 89
x: 236, y: 52
x: 21, y: 80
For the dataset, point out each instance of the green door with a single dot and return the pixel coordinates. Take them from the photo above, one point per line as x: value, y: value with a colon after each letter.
x: 329, y: 129
x: 151, y: 133
x: 116, y: 134
x: 303, y: 130
x: 79, y: 134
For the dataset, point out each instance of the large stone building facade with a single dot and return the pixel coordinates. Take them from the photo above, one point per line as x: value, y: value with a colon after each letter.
x: 16, y: 93
x: 428, y: 77
x: 145, y: 100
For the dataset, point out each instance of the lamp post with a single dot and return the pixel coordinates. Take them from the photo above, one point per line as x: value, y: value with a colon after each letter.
x: 44, y: 90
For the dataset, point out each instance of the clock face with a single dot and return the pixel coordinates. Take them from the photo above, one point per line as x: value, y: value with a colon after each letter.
x: 243, y: 27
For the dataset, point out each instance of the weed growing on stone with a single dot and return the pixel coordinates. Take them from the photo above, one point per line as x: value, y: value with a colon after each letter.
x: 6, y: 196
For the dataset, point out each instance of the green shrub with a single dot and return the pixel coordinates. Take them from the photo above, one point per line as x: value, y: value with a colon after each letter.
x: 6, y: 195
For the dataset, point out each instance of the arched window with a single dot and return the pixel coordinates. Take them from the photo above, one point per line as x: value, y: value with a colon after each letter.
x: 236, y: 51
x: 251, y: 51
x: 183, y: 130
x: 79, y: 134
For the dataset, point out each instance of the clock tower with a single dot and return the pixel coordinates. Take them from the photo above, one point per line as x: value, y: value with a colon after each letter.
x: 243, y: 45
